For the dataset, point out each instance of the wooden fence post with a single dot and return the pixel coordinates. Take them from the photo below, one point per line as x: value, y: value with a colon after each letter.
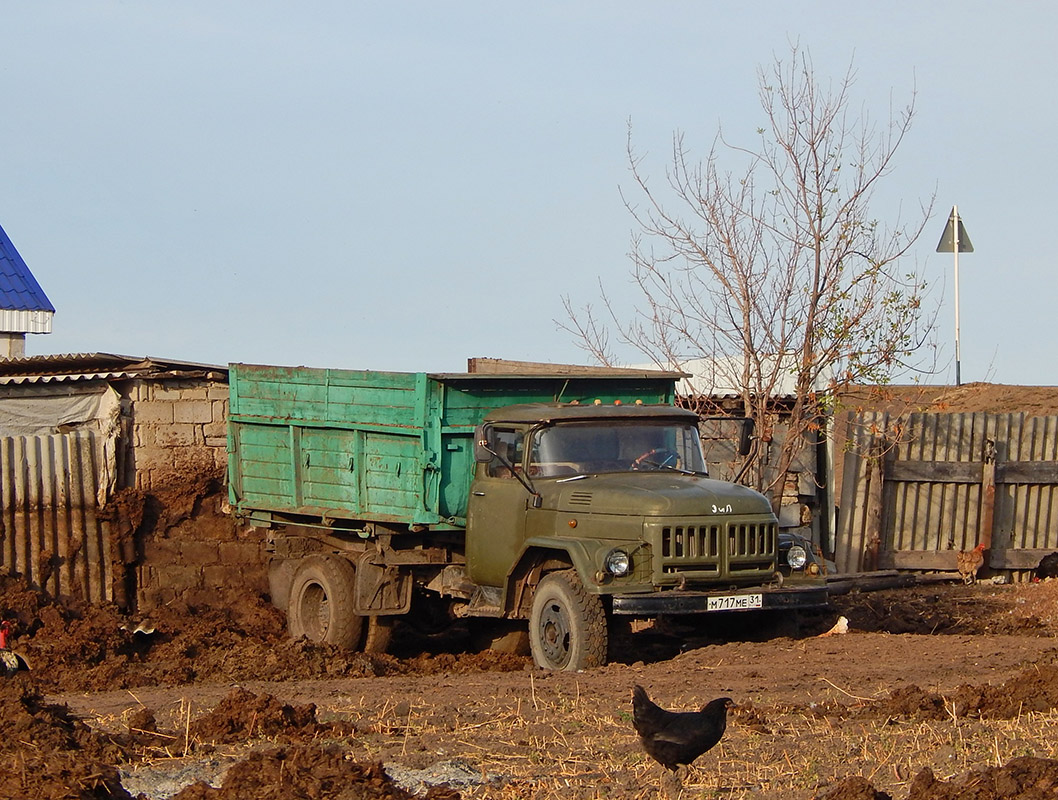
x: 988, y: 494
x: 873, y: 528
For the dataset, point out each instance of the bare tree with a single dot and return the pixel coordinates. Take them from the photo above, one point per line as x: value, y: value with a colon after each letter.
x: 776, y: 274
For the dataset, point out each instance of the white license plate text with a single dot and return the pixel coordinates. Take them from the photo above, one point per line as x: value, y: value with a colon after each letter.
x: 735, y: 602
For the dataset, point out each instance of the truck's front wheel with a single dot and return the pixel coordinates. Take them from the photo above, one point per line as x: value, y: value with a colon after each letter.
x: 321, y: 602
x: 567, y: 625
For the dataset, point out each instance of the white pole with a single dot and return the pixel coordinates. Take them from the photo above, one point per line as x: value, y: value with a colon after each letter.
x: 955, y: 232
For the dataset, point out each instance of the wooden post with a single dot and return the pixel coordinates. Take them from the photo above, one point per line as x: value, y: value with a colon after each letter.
x: 988, y: 493
x: 873, y: 529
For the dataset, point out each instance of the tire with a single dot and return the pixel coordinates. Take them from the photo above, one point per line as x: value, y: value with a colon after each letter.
x: 567, y: 625
x: 378, y: 630
x: 321, y: 603
x: 499, y: 636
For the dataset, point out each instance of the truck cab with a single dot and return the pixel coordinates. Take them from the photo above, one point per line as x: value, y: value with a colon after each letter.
x: 617, y: 500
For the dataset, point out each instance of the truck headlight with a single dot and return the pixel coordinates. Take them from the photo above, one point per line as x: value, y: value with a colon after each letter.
x: 796, y: 556
x: 617, y: 562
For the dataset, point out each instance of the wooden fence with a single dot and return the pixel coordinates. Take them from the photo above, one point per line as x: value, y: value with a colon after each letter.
x: 918, y: 488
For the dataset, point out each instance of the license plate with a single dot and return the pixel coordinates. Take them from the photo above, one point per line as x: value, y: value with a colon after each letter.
x: 735, y: 602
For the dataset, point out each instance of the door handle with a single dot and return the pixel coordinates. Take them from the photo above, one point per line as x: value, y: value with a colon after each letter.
x: 479, y: 494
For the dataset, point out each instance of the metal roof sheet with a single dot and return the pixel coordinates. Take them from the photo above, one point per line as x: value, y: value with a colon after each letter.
x: 74, y: 367
x: 19, y: 290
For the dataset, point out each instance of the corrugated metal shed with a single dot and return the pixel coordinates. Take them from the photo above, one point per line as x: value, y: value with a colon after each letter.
x: 24, y: 307
x: 58, y: 469
x: 76, y: 367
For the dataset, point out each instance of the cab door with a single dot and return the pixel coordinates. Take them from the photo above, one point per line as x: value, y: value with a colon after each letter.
x: 496, y: 509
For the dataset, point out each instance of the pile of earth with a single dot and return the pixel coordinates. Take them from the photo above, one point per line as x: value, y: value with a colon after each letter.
x: 73, y: 646
x: 47, y: 754
x: 1023, y: 778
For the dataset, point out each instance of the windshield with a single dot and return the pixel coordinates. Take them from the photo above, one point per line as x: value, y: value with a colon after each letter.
x: 577, y: 448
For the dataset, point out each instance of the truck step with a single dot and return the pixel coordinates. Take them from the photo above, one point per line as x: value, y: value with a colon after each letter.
x: 487, y: 602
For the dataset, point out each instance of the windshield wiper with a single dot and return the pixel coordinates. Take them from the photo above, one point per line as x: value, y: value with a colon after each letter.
x: 572, y: 478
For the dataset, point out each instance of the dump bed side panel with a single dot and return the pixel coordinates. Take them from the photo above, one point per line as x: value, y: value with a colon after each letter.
x: 379, y: 446
x: 331, y: 443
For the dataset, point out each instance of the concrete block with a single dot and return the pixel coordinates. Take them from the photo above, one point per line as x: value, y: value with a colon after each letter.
x: 154, y: 597
x: 217, y: 428
x: 160, y: 551
x: 222, y: 575
x: 199, y: 553
x: 190, y: 392
x: 165, y: 391
x: 193, y: 460
x: 193, y: 411
x: 220, y: 411
x: 176, y: 435
x: 151, y: 456
x: 153, y: 413
x: 218, y: 391
x: 242, y: 553
x: 179, y: 578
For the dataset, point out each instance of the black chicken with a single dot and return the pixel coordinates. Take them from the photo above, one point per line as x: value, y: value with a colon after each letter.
x: 1047, y: 568
x: 673, y: 738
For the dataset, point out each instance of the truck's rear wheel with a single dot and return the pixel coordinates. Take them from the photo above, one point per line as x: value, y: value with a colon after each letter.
x: 567, y: 625
x: 321, y: 602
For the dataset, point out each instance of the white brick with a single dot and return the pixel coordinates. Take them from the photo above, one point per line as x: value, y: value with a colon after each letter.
x: 193, y: 411
x: 156, y: 412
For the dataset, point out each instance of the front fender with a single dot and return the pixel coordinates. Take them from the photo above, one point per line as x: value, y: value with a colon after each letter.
x: 584, y: 555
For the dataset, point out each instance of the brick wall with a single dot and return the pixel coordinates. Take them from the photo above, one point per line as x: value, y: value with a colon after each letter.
x: 204, y: 558
x: 179, y: 428
x: 190, y: 546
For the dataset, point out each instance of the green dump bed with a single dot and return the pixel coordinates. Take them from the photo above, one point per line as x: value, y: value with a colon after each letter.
x: 382, y: 446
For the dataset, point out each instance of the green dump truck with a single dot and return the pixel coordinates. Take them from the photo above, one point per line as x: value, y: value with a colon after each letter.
x: 549, y: 503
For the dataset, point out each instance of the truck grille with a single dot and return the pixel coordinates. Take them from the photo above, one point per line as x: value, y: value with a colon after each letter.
x: 736, y: 549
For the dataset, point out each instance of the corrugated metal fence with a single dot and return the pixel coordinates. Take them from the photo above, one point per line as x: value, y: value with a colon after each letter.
x: 918, y: 488
x: 52, y: 532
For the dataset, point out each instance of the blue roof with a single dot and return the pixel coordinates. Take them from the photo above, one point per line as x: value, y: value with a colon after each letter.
x: 19, y: 290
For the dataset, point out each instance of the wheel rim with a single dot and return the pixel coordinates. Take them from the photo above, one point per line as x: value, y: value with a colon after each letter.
x: 555, y: 634
x: 315, y: 612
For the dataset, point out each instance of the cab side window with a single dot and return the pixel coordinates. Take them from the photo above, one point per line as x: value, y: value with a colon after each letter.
x: 508, y: 443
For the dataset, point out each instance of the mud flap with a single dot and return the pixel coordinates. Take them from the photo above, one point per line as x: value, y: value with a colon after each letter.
x: 381, y: 589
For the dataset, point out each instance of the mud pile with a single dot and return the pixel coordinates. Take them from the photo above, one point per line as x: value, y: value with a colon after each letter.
x: 73, y: 646
x: 47, y: 754
x: 1019, y: 779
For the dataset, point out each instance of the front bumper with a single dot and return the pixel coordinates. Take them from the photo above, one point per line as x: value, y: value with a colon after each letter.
x: 676, y: 601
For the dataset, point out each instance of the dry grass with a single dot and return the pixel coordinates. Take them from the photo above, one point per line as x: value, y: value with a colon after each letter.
x: 551, y: 744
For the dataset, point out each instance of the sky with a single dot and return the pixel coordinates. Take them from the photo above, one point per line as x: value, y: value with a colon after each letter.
x: 404, y: 185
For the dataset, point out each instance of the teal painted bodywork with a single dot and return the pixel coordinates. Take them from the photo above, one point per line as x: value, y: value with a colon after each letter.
x: 382, y: 446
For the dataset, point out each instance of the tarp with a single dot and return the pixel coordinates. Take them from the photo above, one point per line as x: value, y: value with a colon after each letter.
x: 91, y: 408
x: 54, y: 409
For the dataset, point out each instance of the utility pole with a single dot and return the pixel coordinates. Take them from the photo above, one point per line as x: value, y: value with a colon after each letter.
x: 955, y: 240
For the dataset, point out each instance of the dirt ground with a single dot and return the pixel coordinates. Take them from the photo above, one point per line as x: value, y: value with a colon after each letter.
x: 936, y: 692
x: 992, y: 398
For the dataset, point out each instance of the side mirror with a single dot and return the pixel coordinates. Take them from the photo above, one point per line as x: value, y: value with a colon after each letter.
x: 745, y: 439
x: 482, y: 451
